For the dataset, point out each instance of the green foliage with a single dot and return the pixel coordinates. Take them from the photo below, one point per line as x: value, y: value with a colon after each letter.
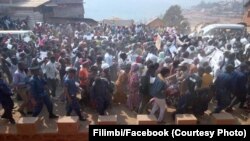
x: 174, y: 18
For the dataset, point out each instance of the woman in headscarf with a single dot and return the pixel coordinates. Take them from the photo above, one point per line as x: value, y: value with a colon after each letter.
x: 134, y: 82
x: 121, y: 85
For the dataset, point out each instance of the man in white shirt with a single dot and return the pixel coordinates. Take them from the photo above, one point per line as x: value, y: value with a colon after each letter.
x: 108, y: 58
x: 51, y: 74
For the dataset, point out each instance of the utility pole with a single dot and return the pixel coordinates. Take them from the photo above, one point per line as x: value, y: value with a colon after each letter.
x: 243, y: 8
x: 83, y: 2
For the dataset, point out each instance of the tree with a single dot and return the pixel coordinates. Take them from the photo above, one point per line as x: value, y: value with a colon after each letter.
x: 174, y: 18
x: 202, y: 4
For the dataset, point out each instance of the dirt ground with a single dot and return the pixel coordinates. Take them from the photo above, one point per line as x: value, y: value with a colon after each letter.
x: 125, y: 116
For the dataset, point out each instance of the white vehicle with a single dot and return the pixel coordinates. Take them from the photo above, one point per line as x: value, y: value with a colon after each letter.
x: 18, y: 34
x: 212, y: 29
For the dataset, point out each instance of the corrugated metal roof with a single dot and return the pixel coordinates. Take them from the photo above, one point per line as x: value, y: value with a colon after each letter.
x: 51, y: 4
x: 5, y: 5
x: 153, y: 20
x: 67, y: 1
x: 30, y: 3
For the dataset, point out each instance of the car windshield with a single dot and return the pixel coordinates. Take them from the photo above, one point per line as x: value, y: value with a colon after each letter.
x: 215, y: 30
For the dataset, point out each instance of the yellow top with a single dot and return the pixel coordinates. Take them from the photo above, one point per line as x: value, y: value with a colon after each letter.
x: 207, y: 80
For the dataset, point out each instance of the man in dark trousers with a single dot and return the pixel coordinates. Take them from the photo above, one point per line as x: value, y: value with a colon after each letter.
x: 223, y: 89
x: 239, y: 85
x: 145, y: 88
x: 100, y: 93
x: 39, y: 96
x: 6, y: 101
x: 70, y: 91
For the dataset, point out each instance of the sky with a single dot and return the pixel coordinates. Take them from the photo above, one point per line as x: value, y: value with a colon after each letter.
x: 139, y: 10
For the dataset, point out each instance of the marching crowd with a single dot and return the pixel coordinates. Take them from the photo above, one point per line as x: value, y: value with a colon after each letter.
x: 134, y: 66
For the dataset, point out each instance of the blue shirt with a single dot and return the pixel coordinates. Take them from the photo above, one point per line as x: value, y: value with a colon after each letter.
x: 71, y: 85
x: 157, y: 88
x: 37, y: 87
x: 240, y: 83
x: 19, y: 78
x: 224, y: 82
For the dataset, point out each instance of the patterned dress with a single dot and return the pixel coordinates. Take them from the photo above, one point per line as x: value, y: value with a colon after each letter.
x: 134, y: 82
x: 121, y: 88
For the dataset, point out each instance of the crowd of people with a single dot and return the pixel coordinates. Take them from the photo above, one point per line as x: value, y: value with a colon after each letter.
x: 134, y: 66
x: 6, y: 23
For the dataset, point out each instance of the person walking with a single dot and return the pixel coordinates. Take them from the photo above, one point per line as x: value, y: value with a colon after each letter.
x: 70, y: 91
x: 38, y: 93
x: 6, y: 101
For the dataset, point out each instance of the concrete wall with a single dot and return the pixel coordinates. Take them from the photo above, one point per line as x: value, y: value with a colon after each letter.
x: 33, y: 16
x: 48, y: 136
x: 118, y: 22
x: 4, y: 10
x: 73, y: 11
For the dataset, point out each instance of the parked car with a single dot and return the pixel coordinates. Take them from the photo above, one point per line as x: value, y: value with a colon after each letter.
x: 213, y: 29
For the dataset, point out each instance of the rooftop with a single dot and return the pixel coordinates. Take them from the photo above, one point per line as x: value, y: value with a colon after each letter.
x: 27, y: 3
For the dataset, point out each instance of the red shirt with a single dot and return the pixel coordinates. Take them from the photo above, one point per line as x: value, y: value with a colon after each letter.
x: 83, y: 75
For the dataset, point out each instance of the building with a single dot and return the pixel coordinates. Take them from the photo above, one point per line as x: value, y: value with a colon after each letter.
x: 156, y: 23
x: 22, y: 9
x: 246, y: 17
x: 61, y: 11
x: 53, y: 11
x: 4, y: 6
x: 118, y: 22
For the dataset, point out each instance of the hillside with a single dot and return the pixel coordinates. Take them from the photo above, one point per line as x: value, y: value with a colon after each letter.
x: 215, y: 12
